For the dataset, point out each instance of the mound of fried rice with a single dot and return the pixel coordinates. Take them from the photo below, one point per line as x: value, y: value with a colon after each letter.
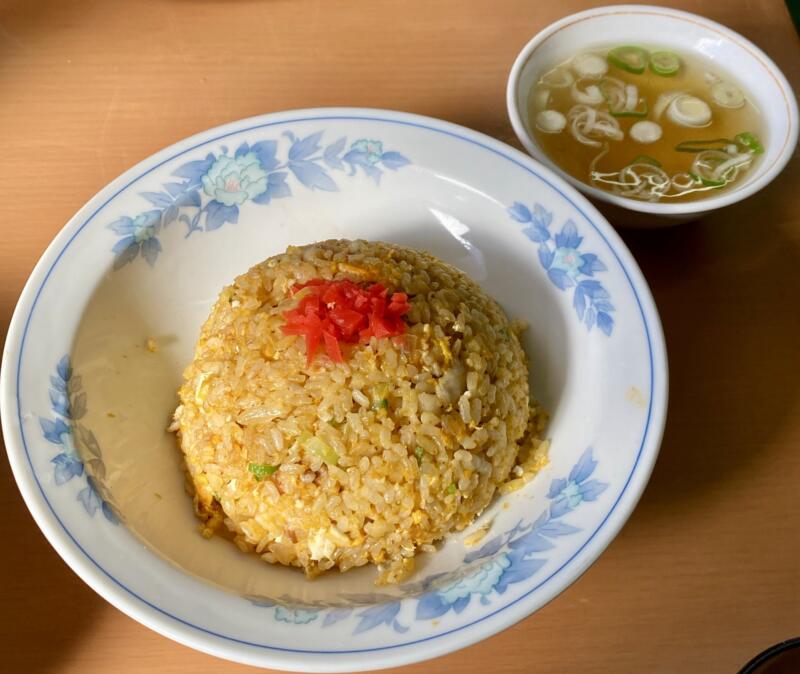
x: 455, y: 421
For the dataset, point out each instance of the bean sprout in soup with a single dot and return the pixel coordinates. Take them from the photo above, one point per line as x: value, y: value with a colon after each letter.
x: 647, y: 124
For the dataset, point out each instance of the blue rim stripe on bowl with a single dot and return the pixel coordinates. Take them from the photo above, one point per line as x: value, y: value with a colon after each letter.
x: 372, y: 118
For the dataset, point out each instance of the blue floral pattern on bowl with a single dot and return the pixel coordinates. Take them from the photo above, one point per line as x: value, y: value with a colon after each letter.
x: 211, y: 191
x: 567, y: 265
x: 68, y: 403
x: 506, y: 559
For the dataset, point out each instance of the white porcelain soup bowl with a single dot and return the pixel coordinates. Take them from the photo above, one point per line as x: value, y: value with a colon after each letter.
x: 683, y: 33
x: 85, y: 403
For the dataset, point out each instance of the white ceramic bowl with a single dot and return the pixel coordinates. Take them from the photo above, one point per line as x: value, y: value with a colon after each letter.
x: 85, y: 404
x: 684, y: 33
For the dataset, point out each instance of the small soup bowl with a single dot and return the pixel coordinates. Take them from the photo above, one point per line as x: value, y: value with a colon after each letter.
x: 684, y: 33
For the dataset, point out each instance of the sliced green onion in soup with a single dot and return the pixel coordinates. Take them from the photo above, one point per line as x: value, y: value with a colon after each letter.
x: 716, y: 168
x: 589, y: 65
x: 694, y: 146
x: 540, y: 98
x: 645, y: 159
x: 685, y: 182
x: 590, y: 95
x: 707, y: 181
x: 686, y: 110
x: 706, y: 162
x: 665, y: 63
x: 629, y: 58
x: 550, y: 121
x: 750, y: 141
x: 623, y: 99
x: 419, y: 453
x: 589, y: 125
x: 664, y: 101
x: 639, y: 111
x: 558, y: 78
x: 639, y: 180
x: 645, y: 132
x: 613, y: 91
x: 727, y: 95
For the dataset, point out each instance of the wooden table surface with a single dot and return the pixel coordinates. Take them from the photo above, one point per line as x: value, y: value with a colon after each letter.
x: 707, y: 571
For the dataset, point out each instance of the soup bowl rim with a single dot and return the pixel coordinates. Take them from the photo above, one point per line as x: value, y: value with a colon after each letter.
x: 707, y: 203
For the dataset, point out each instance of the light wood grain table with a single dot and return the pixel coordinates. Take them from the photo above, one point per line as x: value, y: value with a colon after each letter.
x: 707, y: 571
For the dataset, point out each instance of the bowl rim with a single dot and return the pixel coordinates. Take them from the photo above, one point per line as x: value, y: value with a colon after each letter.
x: 173, y: 627
x: 703, y: 205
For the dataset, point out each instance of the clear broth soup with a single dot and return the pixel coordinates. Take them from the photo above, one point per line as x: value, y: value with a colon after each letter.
x: 646, y: 123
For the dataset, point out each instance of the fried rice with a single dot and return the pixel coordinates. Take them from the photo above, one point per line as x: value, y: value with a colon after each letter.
x: 418, y: 431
